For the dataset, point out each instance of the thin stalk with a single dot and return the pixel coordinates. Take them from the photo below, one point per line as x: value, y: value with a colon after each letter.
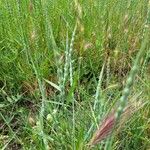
x: 71, y: 83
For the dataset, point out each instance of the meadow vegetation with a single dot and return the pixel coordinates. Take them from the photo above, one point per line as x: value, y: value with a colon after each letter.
x: 75, y: 74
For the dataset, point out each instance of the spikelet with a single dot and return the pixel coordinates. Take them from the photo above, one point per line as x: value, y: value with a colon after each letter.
x: 104, y: 129
x: 108, y: 124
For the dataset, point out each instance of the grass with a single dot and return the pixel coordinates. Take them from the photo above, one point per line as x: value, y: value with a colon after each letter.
x: 66, y: 65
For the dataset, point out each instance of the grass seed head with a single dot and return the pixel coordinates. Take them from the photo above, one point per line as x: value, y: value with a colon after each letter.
x: 109, y: 125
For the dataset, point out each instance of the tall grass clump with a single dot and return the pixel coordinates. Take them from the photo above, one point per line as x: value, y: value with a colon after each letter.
x: 63, y: 65
x: 108, y: 124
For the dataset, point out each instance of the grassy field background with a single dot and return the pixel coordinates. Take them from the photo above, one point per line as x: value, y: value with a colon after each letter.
x: 65, y: 65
